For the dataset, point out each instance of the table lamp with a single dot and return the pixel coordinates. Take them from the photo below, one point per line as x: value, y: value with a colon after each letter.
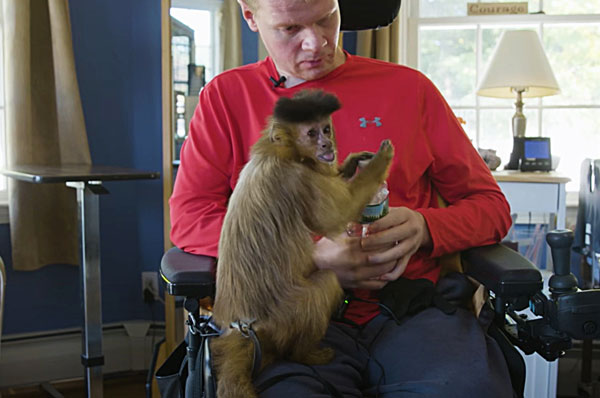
x: 518, y: 67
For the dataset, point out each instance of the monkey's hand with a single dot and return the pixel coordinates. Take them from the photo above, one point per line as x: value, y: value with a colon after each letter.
x: 386, y: 150
x: 377, y: 169
x: 348, y: 168
x: 347, y: 259
x: 403, y: 228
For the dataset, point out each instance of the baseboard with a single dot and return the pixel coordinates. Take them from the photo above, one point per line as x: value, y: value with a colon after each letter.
x: 56, y: 355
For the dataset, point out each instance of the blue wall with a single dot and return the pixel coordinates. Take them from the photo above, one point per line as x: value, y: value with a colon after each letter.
x: 249, y: 43
x: 117, y: 55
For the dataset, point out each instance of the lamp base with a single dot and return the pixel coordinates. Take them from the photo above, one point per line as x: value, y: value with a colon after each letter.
x: 514, y: 163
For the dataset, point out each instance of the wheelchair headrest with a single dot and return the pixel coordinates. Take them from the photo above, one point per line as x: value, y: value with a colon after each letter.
x: 368, y: 14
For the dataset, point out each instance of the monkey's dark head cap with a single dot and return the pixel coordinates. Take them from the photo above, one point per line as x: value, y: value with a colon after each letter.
x: 306, y: 106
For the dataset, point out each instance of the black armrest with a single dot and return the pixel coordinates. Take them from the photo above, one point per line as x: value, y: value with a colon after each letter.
x: 502, y: 270
x: 188, y: 275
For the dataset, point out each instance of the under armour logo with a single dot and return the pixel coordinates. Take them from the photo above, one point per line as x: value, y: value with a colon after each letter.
x: 376, y: 121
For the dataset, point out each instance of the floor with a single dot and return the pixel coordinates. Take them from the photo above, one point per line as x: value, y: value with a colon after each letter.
x: 132, y: 384
x: 125, y: 385
x: 569, y: 375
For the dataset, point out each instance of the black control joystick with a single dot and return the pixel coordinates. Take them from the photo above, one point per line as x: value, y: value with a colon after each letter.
x: 563, y: 281
x: 567, y: 313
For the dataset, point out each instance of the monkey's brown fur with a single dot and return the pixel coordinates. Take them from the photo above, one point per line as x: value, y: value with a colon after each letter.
x: 265, y: 270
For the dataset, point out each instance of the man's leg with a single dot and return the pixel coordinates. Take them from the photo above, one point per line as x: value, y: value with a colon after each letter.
x: 344, y: 374
x: 435, y: 355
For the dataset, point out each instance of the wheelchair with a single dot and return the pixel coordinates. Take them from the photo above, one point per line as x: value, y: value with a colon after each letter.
x: 515, y: 284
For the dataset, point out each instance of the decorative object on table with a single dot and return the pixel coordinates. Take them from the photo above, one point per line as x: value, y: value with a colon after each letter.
x: 518, y: 68
x: 490, y: 158
x: 555, y: 161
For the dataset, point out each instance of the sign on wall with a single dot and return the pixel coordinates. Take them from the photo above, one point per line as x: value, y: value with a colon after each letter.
x: 496, y: 8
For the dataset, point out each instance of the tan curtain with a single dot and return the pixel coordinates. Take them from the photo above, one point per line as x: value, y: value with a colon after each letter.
x: 45, y: 127
x: 382, y: 44
x: 231, y: 35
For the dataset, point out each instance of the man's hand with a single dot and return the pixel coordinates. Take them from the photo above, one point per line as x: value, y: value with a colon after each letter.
x: 350, y: 262
x: 404, y: 229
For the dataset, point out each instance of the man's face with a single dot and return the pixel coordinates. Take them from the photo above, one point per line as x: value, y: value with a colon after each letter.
x: 300, y: 35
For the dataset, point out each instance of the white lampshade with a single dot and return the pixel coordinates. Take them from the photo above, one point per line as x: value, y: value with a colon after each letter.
x: 518, y: 61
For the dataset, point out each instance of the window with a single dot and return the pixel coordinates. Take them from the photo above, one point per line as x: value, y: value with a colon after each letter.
x: 194, y: 50
x: 452, y: 49
x: 200, y: 17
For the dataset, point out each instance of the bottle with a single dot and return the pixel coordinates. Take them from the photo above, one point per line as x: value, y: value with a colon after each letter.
x: 378, y: 206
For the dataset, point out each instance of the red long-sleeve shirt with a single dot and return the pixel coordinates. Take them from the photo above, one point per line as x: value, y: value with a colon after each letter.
x: 380, y: 101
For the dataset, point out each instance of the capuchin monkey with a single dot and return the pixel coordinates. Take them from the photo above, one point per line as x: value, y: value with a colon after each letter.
x: 290, y: 191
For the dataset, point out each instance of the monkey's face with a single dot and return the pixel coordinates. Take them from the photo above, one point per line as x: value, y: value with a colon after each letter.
x: 316, y: 139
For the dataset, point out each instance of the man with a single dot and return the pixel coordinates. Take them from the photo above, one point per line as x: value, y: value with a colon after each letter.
x: 429, y: 354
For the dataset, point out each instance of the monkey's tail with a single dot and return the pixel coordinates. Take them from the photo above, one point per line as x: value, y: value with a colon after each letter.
x: 233, y: 357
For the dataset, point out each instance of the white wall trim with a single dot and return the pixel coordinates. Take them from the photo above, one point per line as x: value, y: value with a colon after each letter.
x: 34, y: 358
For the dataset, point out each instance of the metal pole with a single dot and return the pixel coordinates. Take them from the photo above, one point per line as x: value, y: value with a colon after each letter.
x: 89, y: 249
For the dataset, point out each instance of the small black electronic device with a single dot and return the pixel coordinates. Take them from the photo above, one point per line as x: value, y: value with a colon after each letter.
x: 536, y: 155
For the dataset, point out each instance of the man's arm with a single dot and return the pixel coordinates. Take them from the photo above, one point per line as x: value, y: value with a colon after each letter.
x: 477, y: 213
x: 203, y: 181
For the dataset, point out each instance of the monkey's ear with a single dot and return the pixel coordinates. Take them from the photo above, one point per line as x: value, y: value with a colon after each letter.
x: 278, y: 133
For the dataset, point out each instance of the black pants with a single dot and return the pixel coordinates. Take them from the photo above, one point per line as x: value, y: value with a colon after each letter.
x: 430, y: 354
